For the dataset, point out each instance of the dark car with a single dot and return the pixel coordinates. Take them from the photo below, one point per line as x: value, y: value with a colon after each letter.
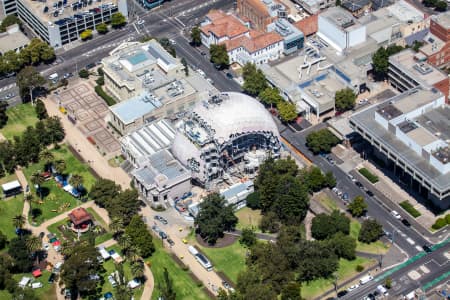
x: 229, y: 75
x: 371, y: 297
x: 359, y: 184
x: 406, y: 223
x: 427, y: 248
x: 51, y: 279
x: 90, y: 66
x: 163, y: 235
x: 342, y: 293
x: 171, y: 243
x: 369, y: 193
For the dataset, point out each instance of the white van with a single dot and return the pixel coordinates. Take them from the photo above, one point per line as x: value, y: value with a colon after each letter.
x: 365, y: 279
x: 382, y: 290
x: 36, y: 285
x: 193, y: 250
x: 53, y: 76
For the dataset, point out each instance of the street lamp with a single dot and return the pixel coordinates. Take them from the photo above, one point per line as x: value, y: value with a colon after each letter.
x: 335, y: 283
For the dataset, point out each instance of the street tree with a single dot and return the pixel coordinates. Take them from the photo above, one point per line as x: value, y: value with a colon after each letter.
x: 270, y: 96
x: 40, y: 109
x: 118, y: 20
x: 287, y: 111
x: 380, y: 60
x: 11, y: 62
x: 254, y: 80
x: 248, y: 237
x: 102, y: 28
x: 196, y: 39
x: 441, y: 6
x: 344, y: 100
x: 325, y: 226
x: 166, y: 287
x: 83, y: 73
x: 86, y: 35
x: 185, y: 65
x: 215, y: 217
x: 8, y: 21
x: 219, y: 56
x: 321, y: 140
x: 27, y: 80
x: 358, y: 206
x: 291, y: 291
x: 370, y: 231
x: 103, y: 191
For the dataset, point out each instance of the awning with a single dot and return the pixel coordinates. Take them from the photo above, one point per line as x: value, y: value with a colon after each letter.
x: 56, y: 243
x: 37, y: 273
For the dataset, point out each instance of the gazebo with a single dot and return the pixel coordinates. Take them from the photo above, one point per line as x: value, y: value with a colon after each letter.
x: 81, y: 220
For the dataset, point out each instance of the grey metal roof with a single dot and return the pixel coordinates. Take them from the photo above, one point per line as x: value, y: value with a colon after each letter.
x: 136, y: 107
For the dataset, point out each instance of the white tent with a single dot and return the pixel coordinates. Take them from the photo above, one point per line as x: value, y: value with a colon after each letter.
x: 133, y: 284
x: 24, y: 281
x: 104, y: 253
x: 68, y: 188
x: 11, y: 185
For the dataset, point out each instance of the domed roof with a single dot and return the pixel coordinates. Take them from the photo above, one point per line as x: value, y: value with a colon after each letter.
x: 235, y: 114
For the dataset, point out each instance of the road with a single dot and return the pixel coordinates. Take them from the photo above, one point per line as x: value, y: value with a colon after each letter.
x: 172, y: 20
x: 417, y: 272
x: 408, y: 239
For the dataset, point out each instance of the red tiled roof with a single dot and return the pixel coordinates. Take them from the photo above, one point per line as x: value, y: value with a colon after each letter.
x: 308, y: 25
x: 227, y: 25
x: 259, y: 42
x: 79, y: 216
x: 259, y: 6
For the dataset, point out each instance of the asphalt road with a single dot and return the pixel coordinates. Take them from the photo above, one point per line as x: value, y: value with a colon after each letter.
x: 436, y: 264
x: 406, y: 238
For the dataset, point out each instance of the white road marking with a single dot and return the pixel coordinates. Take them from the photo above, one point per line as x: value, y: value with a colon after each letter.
x: 409, y: 240
x: 419, y: 248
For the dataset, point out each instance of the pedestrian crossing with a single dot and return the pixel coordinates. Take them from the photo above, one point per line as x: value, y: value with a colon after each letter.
x: 7, y: 87
x: 110, y: 45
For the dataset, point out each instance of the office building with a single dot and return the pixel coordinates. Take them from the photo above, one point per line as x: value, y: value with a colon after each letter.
x: 12, y: 40
x: 410, y: 133
x: 437, y: 41
x: 314, y: 7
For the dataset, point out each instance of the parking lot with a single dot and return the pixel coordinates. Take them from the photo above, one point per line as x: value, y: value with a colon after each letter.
x: 87, y: 111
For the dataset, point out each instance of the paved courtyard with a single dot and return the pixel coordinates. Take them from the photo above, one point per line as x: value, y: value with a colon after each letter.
x: 87, y: 110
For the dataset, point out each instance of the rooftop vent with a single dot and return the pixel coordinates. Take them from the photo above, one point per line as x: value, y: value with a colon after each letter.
x: 423, y: 68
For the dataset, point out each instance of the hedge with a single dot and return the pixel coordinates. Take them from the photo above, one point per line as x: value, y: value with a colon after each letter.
x: 410, y: 209
x: 366, y: 173
x: 441, y: 222
x: 447, y: 218
x: 108, y: 99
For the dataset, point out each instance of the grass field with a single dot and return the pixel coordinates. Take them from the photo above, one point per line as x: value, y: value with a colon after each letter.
x: 9, y: 208
x: 248, y: 218
x: 229, y: 260
x: 346, y: 270
x: 109, y: 266
x: 19, y: 118
x: 326, y: 202
x: 47, y: 292
x: 57, y: 200
x: 377, y: 247
x: 184, y: 285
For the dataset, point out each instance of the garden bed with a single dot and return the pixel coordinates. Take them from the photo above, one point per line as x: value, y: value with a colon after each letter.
x: 369, y: 176
x: 410, y: 209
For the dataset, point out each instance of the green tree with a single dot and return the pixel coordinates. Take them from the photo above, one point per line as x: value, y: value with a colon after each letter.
x: 83, y: 73
x: 441, y: 6
x: 254, y: 80
x: 60, y: 166
x: 40, y: 109
x: 166, y: 288
x: 37, y: 179
x: 3, y: 242
x: 140, y: 236
x: 344, y: 246
x: 54, y: 129
x: 27, y: 80
x: 287, y: 111
x: 185, y: 65
x: 253, y: 200
x: 344, y: 100
x: 125, y: 205
x: 370, y: 231
x: 291, y: 291
x: 18, y: 250
x: 116, y: 226
x: 325, y: 226
x: 34, y: 244
x: 137, y: 269
x: 196, y: 39
x: 417, y: 45
x: 76, y: 181
x: 8, y: 21
x: 86, y: 35
x: 46, y: 156
x: 358, y: 206
x: 380, y: 59
x: 329, y: 180
x: 3, y: 115
x: 103, y: 191
x: 118, y: 20
x: 248, y: 237
x: 269, y: 222
x: 219, y: 55
x: 214, y: 218
x: 270, y: 96
x: 76, y: 270
x: 321, y: 141
x: 388, y: 282
x: 11, y: 62
x: 102, y: 28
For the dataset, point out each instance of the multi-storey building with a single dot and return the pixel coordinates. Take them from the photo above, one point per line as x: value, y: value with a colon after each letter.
x: 61, y: 22
x: 437, y: 47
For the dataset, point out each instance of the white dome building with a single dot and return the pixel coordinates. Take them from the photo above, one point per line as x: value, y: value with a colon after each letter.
x: 219, y: 132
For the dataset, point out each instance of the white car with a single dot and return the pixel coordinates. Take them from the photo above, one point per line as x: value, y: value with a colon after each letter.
x: 353, y: 287
x: 46, y: 247
x: 172, y: 42
x: 396, y: 215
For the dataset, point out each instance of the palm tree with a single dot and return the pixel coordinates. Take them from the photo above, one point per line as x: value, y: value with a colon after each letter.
x: 29, y: 198
x: 33, y: 244
x: 46, y: 156
x: 19, y: 221
x: 60, y: 166
x: 137, y: 269
x: 125, y: 241
x: 67, y: 248
x: 76, y: 181
x: 116, y: 226
x: 132, y: 253
x: 37, y: 179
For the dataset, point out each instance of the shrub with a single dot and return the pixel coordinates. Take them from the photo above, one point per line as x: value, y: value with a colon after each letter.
x: 100, y: 80
x: 359, y: 268
x: 366, y: 173
x: 410, y: 209
x: 447, y: 218
x: 83, y: 73
x: 253, y: 200
x: 108, y: 99
x: 388, y: 282
x: 441, y: 222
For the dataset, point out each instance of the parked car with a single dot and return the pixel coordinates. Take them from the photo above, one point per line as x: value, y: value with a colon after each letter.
x: 353, y: 287
x: 406, y: 223
x: 345, y: 197
x: 163, y: 235
x: 51, y: 279
x: 171, y: 242
x: 369, y: 193
x: 359, y: 184
x: 90, y: 66
x: 427, y: 248
x: 229, y: 75
x: 161, y: 219
x: 396, y: 215
x: 342, y: 293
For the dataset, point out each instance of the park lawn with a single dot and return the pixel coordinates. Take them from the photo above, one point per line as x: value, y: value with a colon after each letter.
x: 346, y: 270
x: 54, y: 228
x: 248, y: 218
x: 46, y: 292
x: 110, y: 267
x: 326, y: 202
x: 55, y: 199
x: 19, y: 118
x: 97, y: 218
x: 229, y: 260
x: 377, y: 247
x: 184, y: 285
x: 9, y: 208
